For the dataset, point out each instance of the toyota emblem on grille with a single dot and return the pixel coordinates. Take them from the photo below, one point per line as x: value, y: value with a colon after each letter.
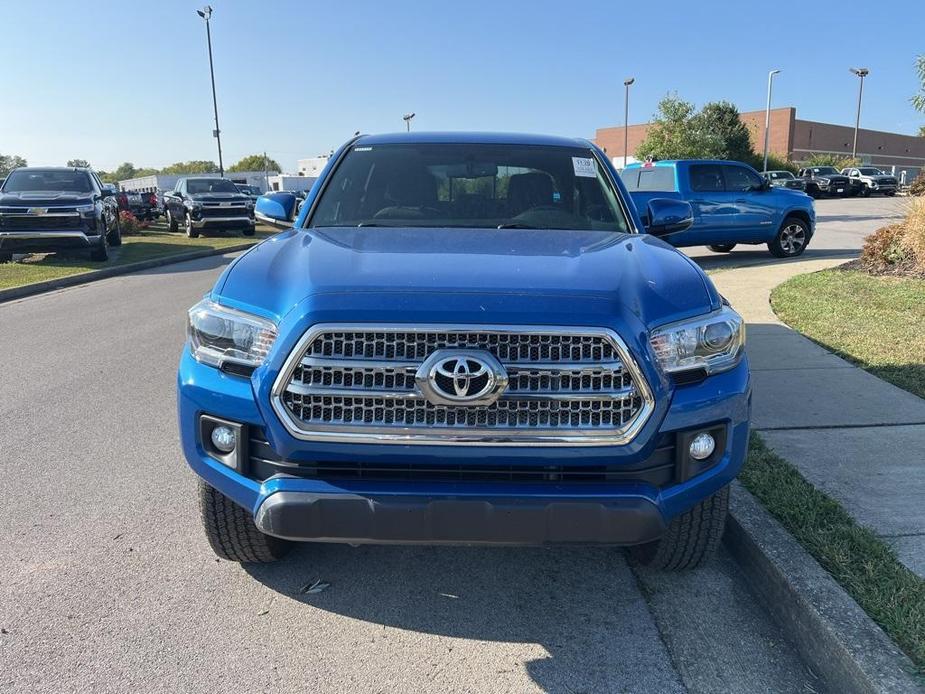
x: 461, y: 377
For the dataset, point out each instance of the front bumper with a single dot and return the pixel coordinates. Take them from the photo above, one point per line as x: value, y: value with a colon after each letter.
x: 626, y: 509
x: 223, y: 222
x: 51, y: 240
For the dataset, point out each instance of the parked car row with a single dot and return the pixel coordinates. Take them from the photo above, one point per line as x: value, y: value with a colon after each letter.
x: 49, y: 209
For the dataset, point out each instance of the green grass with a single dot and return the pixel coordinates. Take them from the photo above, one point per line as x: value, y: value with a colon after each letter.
x: 876, y: 322
x: 862, y: 563
x: 155, y: 242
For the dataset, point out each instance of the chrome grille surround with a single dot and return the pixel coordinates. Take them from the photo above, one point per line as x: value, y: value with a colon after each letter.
x: 567, y: 386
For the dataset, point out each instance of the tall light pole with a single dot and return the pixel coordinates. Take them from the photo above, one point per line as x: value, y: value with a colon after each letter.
x: 861, y: 72
x: 767, y: 118
x: 407, y: 118
x: 206, y: 14
x: 626, y: 118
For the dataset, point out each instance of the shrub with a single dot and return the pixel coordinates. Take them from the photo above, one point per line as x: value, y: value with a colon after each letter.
x: 917, y: 187
x: 775, y: 163
x: 839, y: 161
x: 914, y: 237
x: 886, y: 251
x: 129, y: 223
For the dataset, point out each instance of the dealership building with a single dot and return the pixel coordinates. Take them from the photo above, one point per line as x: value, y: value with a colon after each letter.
x: 796, y: 139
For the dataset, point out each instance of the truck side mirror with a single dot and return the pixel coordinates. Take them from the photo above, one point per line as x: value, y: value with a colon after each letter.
x: 668, y: 216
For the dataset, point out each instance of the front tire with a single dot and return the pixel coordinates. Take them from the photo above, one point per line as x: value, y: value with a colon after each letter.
x: 231, y: 531
x: 171, y: 222
x: 791, y: 239
x: 100, y: 253
x: 865, y: 192
x: 691, y: 538
x: 250, y: 231
x: 6, y: 257
x: 721, y: 247
x: 115, y: 236
x: 191, y: 231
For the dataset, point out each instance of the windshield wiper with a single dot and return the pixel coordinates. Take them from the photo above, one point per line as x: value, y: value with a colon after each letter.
x: 374, y: 224
x: 518, y: 225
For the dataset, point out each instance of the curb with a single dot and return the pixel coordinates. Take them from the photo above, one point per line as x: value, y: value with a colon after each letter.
x: 828, y: 628
x: 14, y: 293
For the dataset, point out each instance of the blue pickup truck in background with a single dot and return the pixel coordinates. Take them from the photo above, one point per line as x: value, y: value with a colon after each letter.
x: 732, y: 205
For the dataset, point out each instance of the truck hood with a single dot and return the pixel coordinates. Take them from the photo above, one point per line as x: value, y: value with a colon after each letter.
x: 881, y: 178
x: 219, y: 197
x: 45, y: 199
x: 572, y: 271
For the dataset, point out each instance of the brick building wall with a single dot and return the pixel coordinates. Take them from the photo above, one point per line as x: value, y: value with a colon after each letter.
x: 797, y: 139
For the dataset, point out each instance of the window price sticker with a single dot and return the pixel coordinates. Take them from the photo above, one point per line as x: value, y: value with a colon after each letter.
x: 585, y: 167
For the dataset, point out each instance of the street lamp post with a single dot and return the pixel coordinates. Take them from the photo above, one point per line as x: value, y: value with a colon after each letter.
x: 626, y: 118
x: 407, y: 118
x: 206, y: 14
x: 861, y: 72
x: 767, y: 118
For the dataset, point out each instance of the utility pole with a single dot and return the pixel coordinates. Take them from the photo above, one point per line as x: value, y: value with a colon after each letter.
x: 626, y: 118
x: 861, y: 72
x: 266, y: 173
x: 767, y: 118
x: 206, y: 14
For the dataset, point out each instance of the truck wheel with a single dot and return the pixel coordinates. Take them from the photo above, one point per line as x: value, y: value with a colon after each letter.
x: 6, y: 257
x: 191, y: 232
x: 115, y: 236
x: 791, y: 239
x: 890, y: 193
x: 171, y: 222
x: 100, y: 252
x: 721, y: 247
x: 231, y: 530
x: 691, y: 537
x: 250, y: 231
x: 865, y: 191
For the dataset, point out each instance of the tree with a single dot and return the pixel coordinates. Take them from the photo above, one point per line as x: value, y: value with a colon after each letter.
x: 8, y: 162
x: 195, y: 166
x: 79, y: 163
x: 918, y: 101
x: 255, y: 162
x: 673, y: 134
x: 922, y: 131
x: 722, y: 133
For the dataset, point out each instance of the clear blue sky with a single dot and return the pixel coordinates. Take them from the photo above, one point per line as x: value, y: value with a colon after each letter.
x: 126, y: 81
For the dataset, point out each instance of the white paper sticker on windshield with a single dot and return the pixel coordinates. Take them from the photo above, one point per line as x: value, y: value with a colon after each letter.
x: 585, y: 167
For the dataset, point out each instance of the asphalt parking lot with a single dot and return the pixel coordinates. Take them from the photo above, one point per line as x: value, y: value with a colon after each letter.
x: 109, y: 584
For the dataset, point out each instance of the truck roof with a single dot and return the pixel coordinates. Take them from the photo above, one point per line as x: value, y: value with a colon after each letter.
x: 672, y: 162
x: 475, y: 138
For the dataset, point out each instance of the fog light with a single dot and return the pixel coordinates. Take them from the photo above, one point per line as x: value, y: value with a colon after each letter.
x: 702, y: 446
x: 223, y: 439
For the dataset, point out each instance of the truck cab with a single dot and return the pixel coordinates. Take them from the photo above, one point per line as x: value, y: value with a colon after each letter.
x: 732, y: 204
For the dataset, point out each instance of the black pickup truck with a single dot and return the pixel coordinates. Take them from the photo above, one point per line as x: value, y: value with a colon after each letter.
x: 826, y: 180
x: 201, y: 204
x: 57, y: 209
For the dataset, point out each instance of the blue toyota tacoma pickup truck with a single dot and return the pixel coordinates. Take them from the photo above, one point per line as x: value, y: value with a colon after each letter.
x: 732, y: 205
x: 466, y: 339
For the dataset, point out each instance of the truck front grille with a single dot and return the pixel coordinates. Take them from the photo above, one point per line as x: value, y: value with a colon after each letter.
x: 564, y: 387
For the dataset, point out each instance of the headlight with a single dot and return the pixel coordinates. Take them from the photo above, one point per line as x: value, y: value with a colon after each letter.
x: 713, y: 342
x: 218, y: 335
x: 823, y: 180
x: 86, y: 209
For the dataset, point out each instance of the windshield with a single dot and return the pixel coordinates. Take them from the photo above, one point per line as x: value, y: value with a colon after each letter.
x: 649, y: 179
x: 249, y: 190
x: 470, y: 185
x: 780, y: 174
x: 870, y: 171
x: 26, y: 181
x: 824, y: 170
x: 209, y: 185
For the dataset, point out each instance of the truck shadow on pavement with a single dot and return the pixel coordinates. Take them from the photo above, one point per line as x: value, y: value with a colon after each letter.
x: 758, y: 256
x: 582, y: 606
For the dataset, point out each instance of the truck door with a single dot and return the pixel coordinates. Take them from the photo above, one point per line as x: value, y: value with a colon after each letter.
x: 754, y: 205
x: 714, y: 210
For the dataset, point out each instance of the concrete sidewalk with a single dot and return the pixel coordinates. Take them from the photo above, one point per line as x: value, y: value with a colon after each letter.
x: 855, y: 437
